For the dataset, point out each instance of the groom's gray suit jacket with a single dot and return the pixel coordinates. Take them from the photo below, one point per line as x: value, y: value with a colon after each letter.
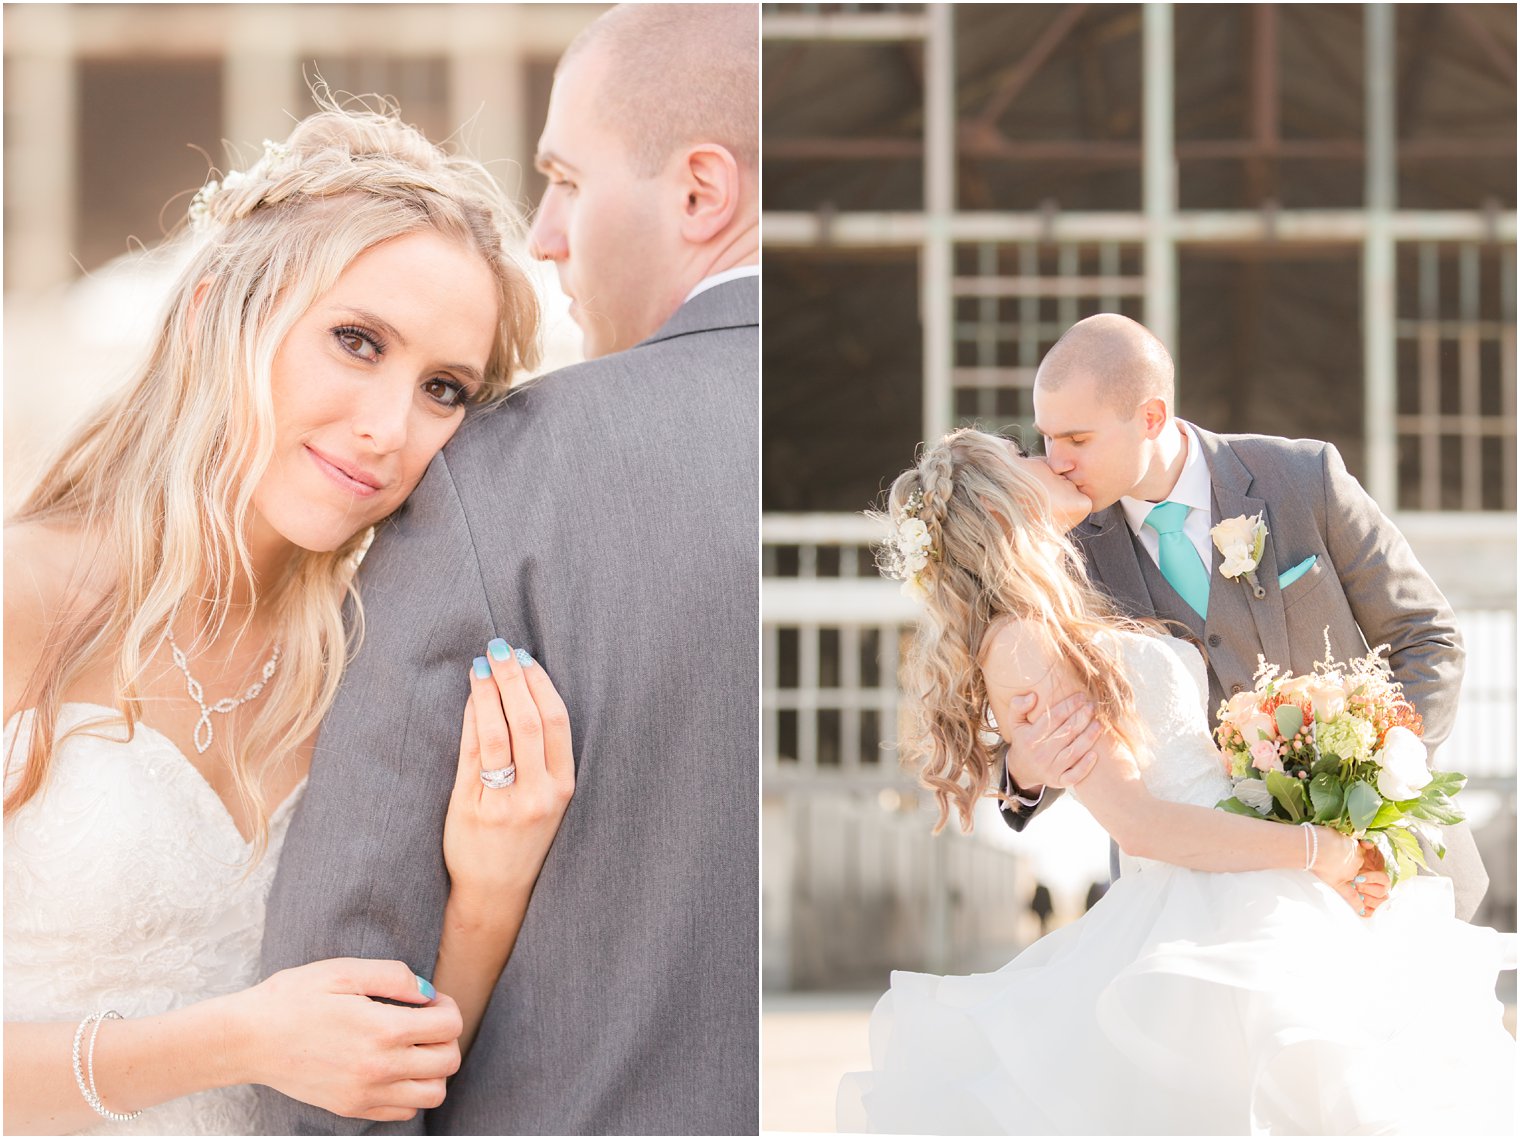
x: 1365, y: 587
x: 606, y: 519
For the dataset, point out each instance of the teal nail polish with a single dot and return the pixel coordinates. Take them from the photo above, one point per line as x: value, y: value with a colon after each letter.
x: 482, y: 667
x: 499, y: 649
x: 1360, y: 878
x: 425, y: 987
x: 524, y: 658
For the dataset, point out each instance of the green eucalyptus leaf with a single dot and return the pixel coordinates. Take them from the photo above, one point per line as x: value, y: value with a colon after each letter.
x: 1236, y: 807
x: 1289, y: 794
x: 1362, y: 803
x: 1325, y: 765
x: 1326, y: 795
x: 1290, y: 720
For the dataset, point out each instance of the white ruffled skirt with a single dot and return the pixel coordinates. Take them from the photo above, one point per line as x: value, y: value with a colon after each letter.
x: 1188, y: 1003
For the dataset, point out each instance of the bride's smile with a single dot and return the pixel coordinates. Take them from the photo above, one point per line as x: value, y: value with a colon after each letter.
x: 370, y: 383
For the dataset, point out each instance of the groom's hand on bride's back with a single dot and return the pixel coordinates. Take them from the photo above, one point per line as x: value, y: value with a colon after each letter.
x: 314, y: 1034
x: 1055, y: 747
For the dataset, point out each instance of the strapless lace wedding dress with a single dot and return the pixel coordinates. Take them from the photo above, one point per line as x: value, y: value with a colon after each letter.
x: 1193, y: 1003
x: 125, y: 889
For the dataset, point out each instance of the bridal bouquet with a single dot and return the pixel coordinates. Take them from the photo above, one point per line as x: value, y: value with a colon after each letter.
x: 1341, y: 748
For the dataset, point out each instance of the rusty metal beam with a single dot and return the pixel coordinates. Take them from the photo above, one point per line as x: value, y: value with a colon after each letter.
x: 1411, y: 82
x: 1501, y: 60
x: 1047, y: 286
x: 974, y: 143
x: 1024, y: 70
x: 1264, y: 93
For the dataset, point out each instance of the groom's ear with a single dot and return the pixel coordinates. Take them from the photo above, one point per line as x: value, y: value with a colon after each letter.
x: 1154, y: 415
x: 709, y: 177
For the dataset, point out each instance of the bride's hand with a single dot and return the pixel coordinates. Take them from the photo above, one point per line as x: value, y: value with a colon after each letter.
x: 1342, y: 864
x: 314, y: 1034
x: 495, y: 839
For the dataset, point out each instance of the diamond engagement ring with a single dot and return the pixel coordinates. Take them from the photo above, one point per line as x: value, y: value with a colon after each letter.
x: 495, y: 777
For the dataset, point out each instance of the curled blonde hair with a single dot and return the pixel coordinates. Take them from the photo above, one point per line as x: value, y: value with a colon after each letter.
x: 994, y: 551
x: 162, y: 476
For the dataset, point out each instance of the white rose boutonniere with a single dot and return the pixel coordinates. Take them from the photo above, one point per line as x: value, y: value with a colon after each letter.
x: 1242, y: 540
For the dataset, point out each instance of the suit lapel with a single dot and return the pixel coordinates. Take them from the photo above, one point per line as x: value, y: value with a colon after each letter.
x: 1231, y: 603
x: 1110, y: 550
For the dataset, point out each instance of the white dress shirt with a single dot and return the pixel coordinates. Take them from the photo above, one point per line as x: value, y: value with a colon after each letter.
x: 734, y: 274
x: 1194, y: 489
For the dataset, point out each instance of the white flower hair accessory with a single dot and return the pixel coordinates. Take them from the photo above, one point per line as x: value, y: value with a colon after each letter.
x: 1242, y: 540
x: 913, y: 546
x: 275, y: 153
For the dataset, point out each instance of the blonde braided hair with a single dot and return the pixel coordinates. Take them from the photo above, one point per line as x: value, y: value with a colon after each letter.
x: 161, y: 477
x: 998, y: 554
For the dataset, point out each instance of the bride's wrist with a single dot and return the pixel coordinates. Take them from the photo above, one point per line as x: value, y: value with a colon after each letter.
x: 473, y: 912
x: 229, y: 1035
x: 1334, y: 852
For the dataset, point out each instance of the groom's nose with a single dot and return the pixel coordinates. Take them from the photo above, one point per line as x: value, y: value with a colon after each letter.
x: 546, y: 238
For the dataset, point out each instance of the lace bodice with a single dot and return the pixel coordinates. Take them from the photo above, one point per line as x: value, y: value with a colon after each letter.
x: 125, y: 889
x: 1171, y: 686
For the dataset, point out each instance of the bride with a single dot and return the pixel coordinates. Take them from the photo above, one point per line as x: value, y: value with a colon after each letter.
x: 1223, y: 985
x: 174, y: 601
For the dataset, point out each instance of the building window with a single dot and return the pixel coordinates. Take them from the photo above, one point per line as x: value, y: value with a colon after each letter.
x: 148, y: 130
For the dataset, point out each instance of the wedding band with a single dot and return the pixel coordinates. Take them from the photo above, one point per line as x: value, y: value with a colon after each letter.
x: 497, y: 777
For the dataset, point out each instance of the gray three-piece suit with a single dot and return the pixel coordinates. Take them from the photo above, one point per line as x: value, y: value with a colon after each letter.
x: 605, y: 518
x: 1365, y: 587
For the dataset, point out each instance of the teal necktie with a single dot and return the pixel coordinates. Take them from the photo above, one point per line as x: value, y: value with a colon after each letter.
x: 1179, y: 561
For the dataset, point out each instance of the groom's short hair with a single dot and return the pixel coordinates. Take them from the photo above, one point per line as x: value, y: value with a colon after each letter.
x: 1125, y: 360
x: 677, y: 75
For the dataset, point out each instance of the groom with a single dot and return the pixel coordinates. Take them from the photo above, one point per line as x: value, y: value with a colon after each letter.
x: 1103, y: 397
x: 604, y: 518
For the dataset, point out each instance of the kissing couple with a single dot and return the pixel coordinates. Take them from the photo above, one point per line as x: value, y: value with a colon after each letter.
x: 1240, y: 976
x: 461, y: 837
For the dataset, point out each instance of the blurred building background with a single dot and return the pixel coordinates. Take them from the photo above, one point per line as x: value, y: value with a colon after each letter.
x: 114, y: 114
x: 1313, y: 206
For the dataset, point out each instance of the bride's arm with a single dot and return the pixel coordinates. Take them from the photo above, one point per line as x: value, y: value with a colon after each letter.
x: 312, y: 1033
x: 495, y: 839
x: 1018, y: 660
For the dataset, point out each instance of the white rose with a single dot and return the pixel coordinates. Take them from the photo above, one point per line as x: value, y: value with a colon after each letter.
x: 1256, y: 724
x: 1234, y: 565
x: 1254, y: 794
x: 914, y: 587
x: 915, y: 561
x: 1403, y: 768
x: 1238, y: 707
x: 1235, y: 532
x: 913, y: 532
x: 1328, y: 698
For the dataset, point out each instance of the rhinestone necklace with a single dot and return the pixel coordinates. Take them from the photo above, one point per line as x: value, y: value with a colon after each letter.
x: 227, y: 704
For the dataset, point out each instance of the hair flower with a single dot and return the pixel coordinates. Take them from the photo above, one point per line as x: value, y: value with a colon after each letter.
x: 912, y: 547
x: 275, y: 153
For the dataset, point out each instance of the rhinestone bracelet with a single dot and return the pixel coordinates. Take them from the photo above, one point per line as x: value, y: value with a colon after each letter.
x: 85, y: 1067
x: 1311, y: 854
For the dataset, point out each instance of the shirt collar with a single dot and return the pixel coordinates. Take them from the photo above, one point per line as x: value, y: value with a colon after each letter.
x: 734, y: 274
x: 1193, y: 489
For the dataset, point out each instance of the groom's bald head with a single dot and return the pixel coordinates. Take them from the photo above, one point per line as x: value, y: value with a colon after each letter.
x: 1123, y: 359
x: 674, y: 75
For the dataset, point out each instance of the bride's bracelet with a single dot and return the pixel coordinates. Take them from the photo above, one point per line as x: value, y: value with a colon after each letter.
x: 84, y: 1069
x: 1311, y: 845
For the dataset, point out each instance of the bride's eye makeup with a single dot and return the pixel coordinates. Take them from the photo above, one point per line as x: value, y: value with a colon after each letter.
x: 448, y: 392
x: 358, y: 341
